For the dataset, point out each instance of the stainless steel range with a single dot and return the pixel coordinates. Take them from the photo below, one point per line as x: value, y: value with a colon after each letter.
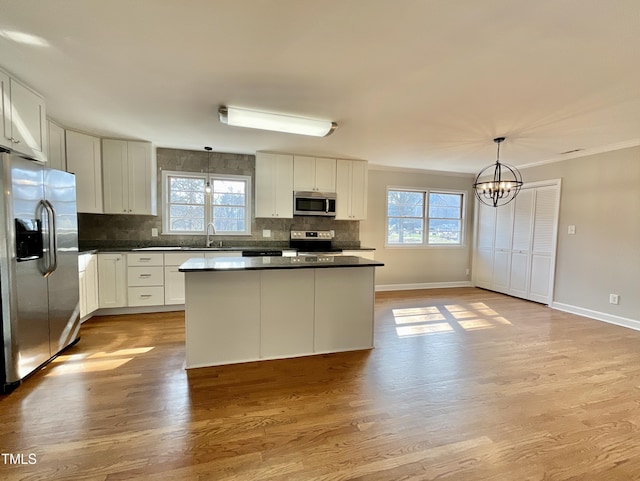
x: 313, y: 242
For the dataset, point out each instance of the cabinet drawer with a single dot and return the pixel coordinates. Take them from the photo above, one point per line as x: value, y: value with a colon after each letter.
x: 179, y: 258
x: 145, y: 276
x: 155, y: 259
x: 146, y: 296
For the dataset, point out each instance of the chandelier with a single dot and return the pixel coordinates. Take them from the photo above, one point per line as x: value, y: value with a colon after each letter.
x: 502, y: 187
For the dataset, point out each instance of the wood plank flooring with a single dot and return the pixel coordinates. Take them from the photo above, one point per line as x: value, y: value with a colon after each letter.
x: 463, y: 384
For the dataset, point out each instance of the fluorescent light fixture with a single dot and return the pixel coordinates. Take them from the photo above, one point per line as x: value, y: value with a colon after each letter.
x: 277, y: 122
x: 26, y: 38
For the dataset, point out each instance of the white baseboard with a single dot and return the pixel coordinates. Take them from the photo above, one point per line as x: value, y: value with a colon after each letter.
x: 115, y: 311
x: 423, y: 285
x: 599, y: 316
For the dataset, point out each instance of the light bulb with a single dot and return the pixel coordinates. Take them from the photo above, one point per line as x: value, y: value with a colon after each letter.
x: 207, y: 188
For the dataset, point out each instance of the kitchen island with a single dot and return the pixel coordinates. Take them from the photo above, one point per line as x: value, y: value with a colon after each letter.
x: 242, y: 309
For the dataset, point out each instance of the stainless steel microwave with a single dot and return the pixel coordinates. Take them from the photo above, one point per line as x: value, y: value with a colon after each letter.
x: 314, y: 203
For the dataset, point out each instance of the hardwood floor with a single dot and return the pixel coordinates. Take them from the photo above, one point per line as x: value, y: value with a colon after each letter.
x: 463, y: 384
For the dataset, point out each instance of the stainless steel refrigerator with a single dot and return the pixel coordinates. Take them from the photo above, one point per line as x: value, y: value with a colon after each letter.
x: 38, y: 266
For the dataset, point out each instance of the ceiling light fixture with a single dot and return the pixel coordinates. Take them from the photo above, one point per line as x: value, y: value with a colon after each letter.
x: 276, y: 122
x: 207, y: 187
x: 503, y: 187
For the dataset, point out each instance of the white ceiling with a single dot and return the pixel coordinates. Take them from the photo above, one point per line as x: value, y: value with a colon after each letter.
x: 421, y: 84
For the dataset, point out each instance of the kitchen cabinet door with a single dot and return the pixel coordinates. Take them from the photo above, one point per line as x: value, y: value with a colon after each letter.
x: 91, y: 284
x: 112, y: 280
x: 274, y: 185
x: 57, y: 153
x: 304, y: 173
x: 351, y: 190
x: 114, y: 167
x: 173, y: 286
x: 129, y: 177
x: 24, y: 119
x: 141, y: 178
x: 314, y: 174
x: 82, y: 293
x: 84, y: 159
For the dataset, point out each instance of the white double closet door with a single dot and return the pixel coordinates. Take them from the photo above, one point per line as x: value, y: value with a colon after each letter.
x: 515, y: 245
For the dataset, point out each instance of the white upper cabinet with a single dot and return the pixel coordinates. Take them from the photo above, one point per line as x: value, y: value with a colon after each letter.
x: 84, y: 160
x: 129, y: 177
x: 57, y: 153
x: 314, y: 174
x: 351, y: 190
x: 274, y: 185
x: 24, y: 119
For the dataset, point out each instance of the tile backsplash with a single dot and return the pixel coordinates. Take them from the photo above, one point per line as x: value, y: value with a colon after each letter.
x: 114, y: 230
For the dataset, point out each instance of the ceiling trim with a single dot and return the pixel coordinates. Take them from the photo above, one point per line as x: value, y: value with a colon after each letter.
x: 584, y: 153
x: 410, y: 170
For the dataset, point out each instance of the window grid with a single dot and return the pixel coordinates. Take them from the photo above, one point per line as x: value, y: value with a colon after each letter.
x: 409, y: 211
x: 188, y: 210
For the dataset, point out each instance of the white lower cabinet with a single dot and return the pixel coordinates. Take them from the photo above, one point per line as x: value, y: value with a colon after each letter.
x: 247, y: 315
x: 343, y: 318
x: 112, y: 280
x: 286, y: 328
x: 138, y: 279
x: 88, y: 276
x: 173, y: 278
x: 145, y: 279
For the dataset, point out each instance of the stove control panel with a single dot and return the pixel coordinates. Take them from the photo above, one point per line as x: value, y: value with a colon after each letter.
x: 312, y: 234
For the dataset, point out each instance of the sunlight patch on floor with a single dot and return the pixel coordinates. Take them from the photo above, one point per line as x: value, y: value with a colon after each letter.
x: 99, y: 361
x: 426, y: 320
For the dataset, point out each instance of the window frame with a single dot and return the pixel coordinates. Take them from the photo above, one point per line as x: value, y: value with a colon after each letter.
x: 425, y: 218
x: 208, y: 205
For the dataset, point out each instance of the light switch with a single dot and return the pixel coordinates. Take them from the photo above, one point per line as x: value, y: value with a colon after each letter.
x: 571, y: 229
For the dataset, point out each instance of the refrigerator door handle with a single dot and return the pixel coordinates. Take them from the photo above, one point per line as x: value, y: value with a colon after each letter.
x: 53, y: 243
x: 46, y: 221
x: 51, y: 237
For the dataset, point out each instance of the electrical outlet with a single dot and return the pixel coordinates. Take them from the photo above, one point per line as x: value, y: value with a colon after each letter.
x: 266, y: 233
x: 154, y: 232
x: 467, y: 271
x: 571, y: 230
x: 613, y: 298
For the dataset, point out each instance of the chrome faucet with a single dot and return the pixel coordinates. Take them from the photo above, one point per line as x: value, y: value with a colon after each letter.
x: 209, y: 239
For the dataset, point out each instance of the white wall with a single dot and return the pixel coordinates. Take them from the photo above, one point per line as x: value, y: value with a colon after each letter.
x: 601, y: 197
x: 415, y: 267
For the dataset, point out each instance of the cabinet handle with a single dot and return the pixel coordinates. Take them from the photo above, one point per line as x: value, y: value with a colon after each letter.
x: 144, y: 259
x: 15, y: 141
x: 145, y: 295
x: 144, y: 275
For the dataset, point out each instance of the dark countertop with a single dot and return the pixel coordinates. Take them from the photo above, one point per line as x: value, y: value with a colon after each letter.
x: 264, y: 263
x: 199, y: 249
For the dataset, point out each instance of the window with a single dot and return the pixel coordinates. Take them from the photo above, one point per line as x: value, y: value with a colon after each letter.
x: 188, y: 210
x: 412, y: 212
